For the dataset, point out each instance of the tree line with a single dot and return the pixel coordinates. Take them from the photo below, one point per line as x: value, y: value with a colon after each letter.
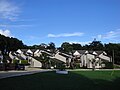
x: 110, y: 48
x: 66, y: 47
x: 8, y: 44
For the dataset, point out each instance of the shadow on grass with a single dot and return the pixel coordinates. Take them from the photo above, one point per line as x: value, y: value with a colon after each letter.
x: 52, y: 81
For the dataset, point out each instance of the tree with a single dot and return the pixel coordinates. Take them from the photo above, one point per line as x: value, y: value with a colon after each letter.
x: 93, y: 61
x: 3, y: 47
x: 96, y: 45
x: 8, y: 44
x: 51, y: 45
x: 43, y: 46
x: 76, y: 46
x: 86, y: 47
x: 14, y: 44
x: 66, y: 47
x: 45, y: 60
x: 109, y: 48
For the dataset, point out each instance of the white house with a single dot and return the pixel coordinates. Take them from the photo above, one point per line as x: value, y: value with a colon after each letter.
x: 37, y: 53
x: 84, y: 57
x: 87, y: 58
x: 62, y: 57
x: 1, y: 57
x: 27, y: 54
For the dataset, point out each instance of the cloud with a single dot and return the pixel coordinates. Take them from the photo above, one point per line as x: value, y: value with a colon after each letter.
x: 6, y: 33
x: 15, y: 25
x: 65, y: 35
x: 110, y: 35
x: 75, y: 42
x: 82, y: 43
x: 8, y: 10
x: 26, y: 20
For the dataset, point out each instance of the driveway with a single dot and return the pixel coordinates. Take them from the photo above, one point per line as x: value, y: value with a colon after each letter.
x: 6, y: 74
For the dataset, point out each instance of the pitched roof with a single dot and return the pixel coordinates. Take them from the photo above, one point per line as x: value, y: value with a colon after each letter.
x: 86, y: 51
x: 64, y: 54
x: 33, y: 50
x: 37, y: 51
x: 29, y: 51
x: 76, y: 53
x: 80, y: 51
x: 24, y: 50
x: 19, y: 51
x: 99, y: 52
x: 56, y: 60
x: 48, y: 53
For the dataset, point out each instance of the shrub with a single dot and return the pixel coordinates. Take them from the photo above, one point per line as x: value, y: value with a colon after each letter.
x: 15, y: 61
x: 60, y: 66
x: 25, y: 62
x: 117, y: 66
x: 77, y: 65
x: 108, y: 65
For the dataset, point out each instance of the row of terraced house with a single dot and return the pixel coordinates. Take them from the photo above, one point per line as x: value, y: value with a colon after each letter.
x: 83, y: 58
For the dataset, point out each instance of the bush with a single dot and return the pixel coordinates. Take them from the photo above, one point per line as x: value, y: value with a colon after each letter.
x: 108, y: 65
x: 25, y: 62
x: 1, y: 66
x: 117, y: 66
x: 61, y: 66
x: 77, y: 65
x: 15, y: 61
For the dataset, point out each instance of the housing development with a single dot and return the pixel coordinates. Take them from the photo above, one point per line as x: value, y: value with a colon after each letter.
x: 59, y: 44
x: 76, y: 58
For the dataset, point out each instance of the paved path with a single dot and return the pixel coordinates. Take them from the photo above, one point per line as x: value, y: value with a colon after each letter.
x: 92, y: 70
x: 6, y: 74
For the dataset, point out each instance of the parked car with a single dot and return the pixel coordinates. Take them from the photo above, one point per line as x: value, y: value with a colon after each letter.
x: 20, y: 67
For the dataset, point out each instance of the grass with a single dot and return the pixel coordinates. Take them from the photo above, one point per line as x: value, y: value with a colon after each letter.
x: 75, y: 80
x: 117, y: 66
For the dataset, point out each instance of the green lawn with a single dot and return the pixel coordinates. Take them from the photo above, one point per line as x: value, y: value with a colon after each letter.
x: 75, y: 80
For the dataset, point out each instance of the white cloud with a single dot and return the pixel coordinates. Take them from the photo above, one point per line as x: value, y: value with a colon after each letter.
x: 8, y: 10
x: 15, y: 25
x: 82, y: 43
x: 65, y: 35
x: 99, y: 36
x: 110, y: 35
x: 76, y: 42
x: 5, y: 33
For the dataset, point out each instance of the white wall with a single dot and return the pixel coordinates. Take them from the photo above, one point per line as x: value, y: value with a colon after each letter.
x: 60, y: 57
x: 86, y: 60
x: 104, y: 57
x: 23, y: 56
x: 35, y: 63
x: 83, y: 59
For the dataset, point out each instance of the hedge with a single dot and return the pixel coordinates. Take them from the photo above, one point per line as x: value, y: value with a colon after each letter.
x: 24, y: 62
x: 108, y: 65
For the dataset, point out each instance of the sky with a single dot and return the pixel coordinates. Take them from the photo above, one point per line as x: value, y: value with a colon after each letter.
x: 58, y: 21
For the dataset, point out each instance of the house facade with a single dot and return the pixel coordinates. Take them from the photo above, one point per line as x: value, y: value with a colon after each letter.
x: 84, y: 58
x: 89, y: 59
x: 25, y: 54
x: 1, y: 57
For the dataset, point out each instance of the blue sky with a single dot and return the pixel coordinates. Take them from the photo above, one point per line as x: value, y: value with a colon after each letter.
x: 58, y: 21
